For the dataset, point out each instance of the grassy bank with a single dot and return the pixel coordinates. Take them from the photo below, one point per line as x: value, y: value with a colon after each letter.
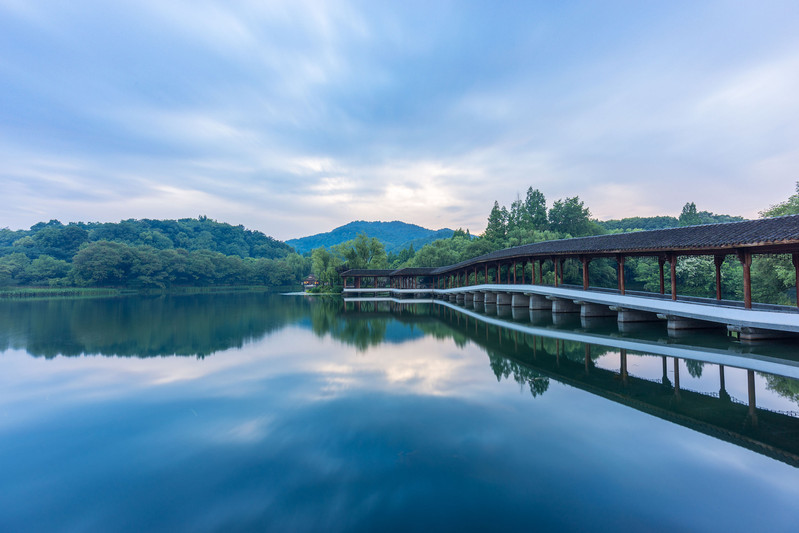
x: 84, y: 292
x: 45, y: 292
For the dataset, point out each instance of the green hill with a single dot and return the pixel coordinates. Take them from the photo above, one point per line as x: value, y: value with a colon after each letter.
x: 62, y: 241
x: 395, y: 235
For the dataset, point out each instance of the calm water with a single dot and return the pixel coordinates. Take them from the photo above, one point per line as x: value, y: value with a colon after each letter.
x: 252, y: 412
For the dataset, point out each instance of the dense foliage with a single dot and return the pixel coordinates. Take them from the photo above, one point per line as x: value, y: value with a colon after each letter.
x: 146, y: 254
x: 528, y: 220
x: 395, y: 236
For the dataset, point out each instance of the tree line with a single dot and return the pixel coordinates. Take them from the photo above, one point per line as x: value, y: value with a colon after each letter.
x: 143, y: 254
x: 529, y: 220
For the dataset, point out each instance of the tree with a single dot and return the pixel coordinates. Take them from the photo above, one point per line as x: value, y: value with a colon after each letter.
x: 323, y: 266
x: 788, y: 207
x: 362, y: 252
x: 497, y: 227
x: 103, y: 263
x: 570, y: 216
x: 45, y: 270
x: 689, y: 216
x: 535, y: 210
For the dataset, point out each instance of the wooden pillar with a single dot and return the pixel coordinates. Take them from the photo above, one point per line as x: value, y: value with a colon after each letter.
x: 795, y: 259
x: 475, y: 274
x: 560, y: 265
x: 358, y: 282
x: 532, y: 273
x: 677, y: 378
x: 587, y: 358
x: 718, y: 260
x: 746, y: 261
x: 623, y: 364
x: 499, y: 276
x: 620, y: 262
x: 555, y: 266
x: 750, y: 378
x: 585, y: 260
x: 673, y: 268
x: 661, y: 261
x: 514, y: 272
x: 540, y: 271
x: 486, y: 274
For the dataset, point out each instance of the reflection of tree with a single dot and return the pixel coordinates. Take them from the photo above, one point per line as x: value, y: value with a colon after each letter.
x: 694, y: 367
x: 504, y: 368
x: 188, y: 324
x: 785, y: 387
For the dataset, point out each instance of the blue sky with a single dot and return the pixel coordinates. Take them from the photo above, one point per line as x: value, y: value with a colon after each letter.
x: 295, y: 117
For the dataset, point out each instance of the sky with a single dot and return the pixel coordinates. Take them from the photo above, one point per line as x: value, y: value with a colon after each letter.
x: 295, y: 117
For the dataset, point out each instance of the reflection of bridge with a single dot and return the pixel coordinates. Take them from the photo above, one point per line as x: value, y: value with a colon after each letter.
x: 552, y: 352
x: 496, y: 278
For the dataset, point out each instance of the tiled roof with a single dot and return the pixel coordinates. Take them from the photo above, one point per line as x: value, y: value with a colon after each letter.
x: 415, y: 271
x: 707, y: 238
x: 367, y: 272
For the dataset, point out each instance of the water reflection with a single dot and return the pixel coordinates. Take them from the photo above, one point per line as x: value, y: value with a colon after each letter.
x: 532, y: 360
x: 144, y: 326
x: 377, y: 416
x: 561, y: 346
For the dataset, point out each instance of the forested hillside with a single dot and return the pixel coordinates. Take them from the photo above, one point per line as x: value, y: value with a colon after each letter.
x: 394, y: 235
x: 146, y: 254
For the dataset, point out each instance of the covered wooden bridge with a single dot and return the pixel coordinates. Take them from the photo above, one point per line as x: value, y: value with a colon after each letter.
x: 742, y: 240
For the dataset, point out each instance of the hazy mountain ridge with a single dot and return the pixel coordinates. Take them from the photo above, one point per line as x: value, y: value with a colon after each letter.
x: 394, y: 235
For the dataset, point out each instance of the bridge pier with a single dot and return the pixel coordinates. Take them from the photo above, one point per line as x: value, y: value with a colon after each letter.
x: 633, y: 315
x: 468, y: 298
x: 459, y: 298
x: 539, y: 303
x: 491, y: 298
x: 563, y: 306
x: 539, y: 316
x: 520, y: 314
x: 591, y: 310
x: 520, y: 300
x: 479, y: 296
x: 747, y: 334
x: 504, y: 298
x: 678, y: 323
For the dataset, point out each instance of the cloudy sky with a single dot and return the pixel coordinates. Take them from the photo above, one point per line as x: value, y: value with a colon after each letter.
x: 295, y: 117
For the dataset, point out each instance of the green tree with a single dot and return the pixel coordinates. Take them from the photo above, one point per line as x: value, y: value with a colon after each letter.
x: 362, y: 252
x: 535, y: 210
x: 47, y: 270
x: 324, y: 266
x: 689, y: 216
x: 103, y: 263
x: 497, y: 227
x: 571, y: 217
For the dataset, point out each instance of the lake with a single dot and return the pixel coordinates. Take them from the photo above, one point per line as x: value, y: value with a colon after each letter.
x: 258, y: 411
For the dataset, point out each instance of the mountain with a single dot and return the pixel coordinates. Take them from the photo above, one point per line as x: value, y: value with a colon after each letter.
x: 395, y: 235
